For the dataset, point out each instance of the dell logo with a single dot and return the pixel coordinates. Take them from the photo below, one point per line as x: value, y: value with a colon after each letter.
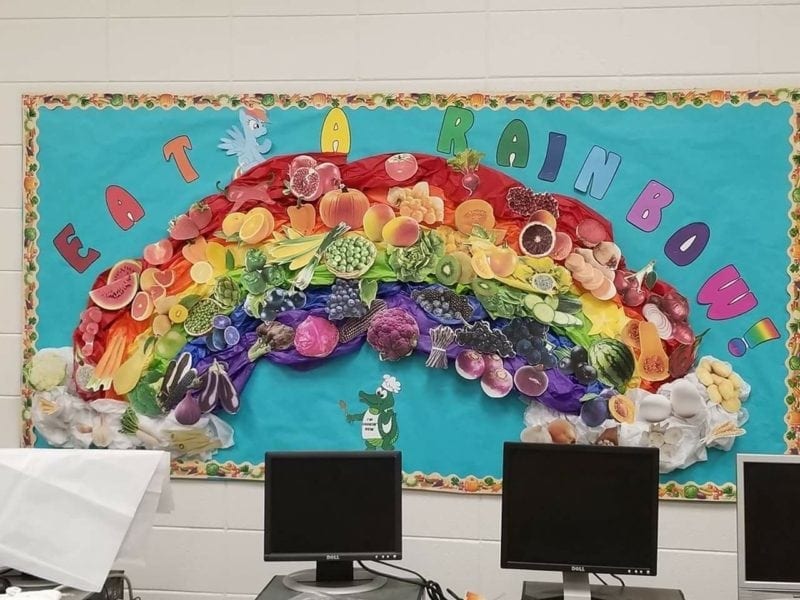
x: 331, y: 557
x: 580, y: 569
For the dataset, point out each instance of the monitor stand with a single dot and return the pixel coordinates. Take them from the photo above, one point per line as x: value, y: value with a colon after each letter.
x: 575, y: 586
x: 334, y: 577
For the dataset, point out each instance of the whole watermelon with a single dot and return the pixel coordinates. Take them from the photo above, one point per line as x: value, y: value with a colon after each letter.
x: 614, y: 362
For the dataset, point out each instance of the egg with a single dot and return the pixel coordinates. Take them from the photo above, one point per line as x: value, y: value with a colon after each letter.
x: 654, y: 408
x: 686, y: 399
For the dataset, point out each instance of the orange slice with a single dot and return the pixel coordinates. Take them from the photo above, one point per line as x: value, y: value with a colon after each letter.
x: 257, y: 226
x: 232, y: 223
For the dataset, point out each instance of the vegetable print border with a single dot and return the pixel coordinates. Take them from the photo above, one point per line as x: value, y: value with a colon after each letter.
x: 194, y: 469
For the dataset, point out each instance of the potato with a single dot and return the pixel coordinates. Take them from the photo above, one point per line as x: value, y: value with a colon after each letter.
x: 714, y: 395
x: 736, y: 380
x: 722, y: 369
x: 704, y: 377
x: 726, y: 390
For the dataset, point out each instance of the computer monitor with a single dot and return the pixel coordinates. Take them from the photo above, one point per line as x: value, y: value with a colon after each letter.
x: 579, y: 510
x: 768, y: 525
x: 333, y: 508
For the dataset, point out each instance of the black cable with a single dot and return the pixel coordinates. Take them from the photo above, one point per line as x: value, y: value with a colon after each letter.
x: 618, y: 579
x: 603, y: 581
x: 432, y: 588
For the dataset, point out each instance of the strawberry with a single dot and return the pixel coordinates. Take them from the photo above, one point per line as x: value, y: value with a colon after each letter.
x: 200, y: 215
x: 183, y: 228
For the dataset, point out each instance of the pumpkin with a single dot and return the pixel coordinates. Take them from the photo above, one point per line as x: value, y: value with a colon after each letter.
x: 302, y: 217
x: 343, y: 206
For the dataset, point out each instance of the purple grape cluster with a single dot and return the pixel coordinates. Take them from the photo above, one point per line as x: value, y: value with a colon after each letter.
x: 530, y: 341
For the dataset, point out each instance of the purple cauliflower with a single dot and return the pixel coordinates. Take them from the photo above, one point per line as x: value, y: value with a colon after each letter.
x: 393, y: 333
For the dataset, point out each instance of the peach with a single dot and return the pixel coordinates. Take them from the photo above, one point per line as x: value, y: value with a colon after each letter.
x: 401, y: 232
x: 544, y: 216
x: 503, y: 261
x: 376, y: 217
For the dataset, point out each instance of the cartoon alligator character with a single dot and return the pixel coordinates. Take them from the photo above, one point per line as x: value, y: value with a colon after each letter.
x: 378, y: 423
x: 243, y: 143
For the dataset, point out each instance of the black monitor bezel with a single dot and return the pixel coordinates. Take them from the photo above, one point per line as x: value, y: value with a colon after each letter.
x: 395, y: 553
x: 648, y: 566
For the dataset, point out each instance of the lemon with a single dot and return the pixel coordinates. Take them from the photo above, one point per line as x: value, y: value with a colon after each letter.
x: 252, y: 227
x: 178, y: 313
x: 232, y: 223
x: 215, y: 256
x: 201, y: 272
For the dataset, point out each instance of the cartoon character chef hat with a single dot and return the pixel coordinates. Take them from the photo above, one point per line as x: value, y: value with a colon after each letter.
x: 390, y: 384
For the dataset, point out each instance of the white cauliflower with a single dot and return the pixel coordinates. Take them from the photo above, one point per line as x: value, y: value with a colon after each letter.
x: 47, y: 370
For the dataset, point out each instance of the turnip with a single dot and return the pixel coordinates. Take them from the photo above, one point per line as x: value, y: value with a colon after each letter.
x: 470, y: 364
x: 497, y: 383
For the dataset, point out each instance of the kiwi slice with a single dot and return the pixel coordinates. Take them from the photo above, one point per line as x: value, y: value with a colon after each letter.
x: 484, y: 288
x: 467, y: 272
x: 448, y: 270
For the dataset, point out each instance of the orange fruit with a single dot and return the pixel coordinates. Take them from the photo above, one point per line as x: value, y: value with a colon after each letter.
x: 232, y: 223
x: 257, y: 226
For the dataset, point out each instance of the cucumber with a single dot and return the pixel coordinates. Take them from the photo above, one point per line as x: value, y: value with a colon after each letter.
x: 561, y: 319
x: 532, y: 300
x: 568, y: 304
x: 551, y: 301
x: 543, y: 313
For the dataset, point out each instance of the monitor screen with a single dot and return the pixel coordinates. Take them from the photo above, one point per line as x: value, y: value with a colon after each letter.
x: 332, y: 506
x: 580, y: 508
x: 770, y: 493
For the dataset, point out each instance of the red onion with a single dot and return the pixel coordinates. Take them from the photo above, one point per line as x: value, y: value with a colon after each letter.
x: 470, y: 364
x: 663, y: 325
x: 682, y: 333
x: 675, y: 306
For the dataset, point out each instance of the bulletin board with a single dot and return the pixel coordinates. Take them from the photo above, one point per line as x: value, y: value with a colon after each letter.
x: 220, y: 276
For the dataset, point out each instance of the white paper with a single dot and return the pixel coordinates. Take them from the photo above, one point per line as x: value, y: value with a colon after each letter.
x: 66, y: 515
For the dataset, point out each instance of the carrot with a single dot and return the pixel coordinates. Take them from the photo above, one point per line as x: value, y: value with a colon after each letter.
x: 102, y: 365
x: 116, y: 359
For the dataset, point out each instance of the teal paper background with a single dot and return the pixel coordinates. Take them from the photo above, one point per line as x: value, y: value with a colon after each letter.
x: 726, y: 165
